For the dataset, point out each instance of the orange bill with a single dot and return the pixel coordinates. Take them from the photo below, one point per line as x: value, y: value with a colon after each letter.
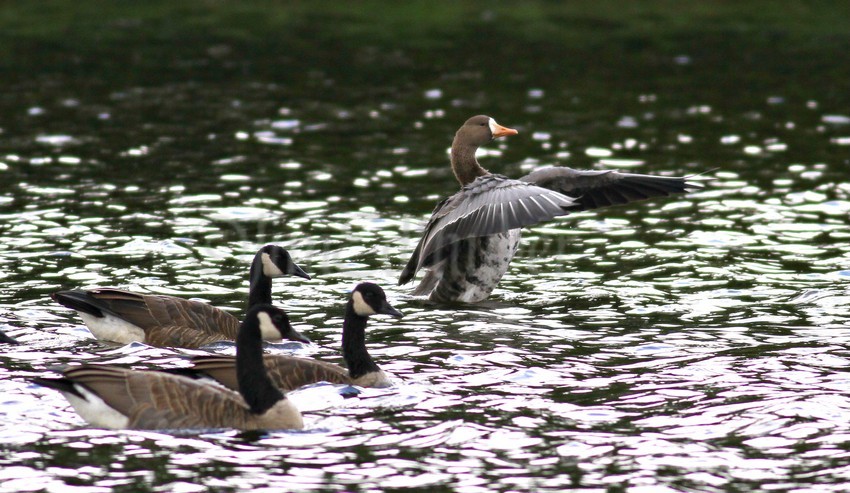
x: 500, y: 131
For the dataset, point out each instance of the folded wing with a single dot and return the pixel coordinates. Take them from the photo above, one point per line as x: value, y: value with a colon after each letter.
x: 153, y: 400
x: 287, y: 372
x: 165, y: 314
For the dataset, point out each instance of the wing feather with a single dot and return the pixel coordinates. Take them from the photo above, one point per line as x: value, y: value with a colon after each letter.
x: 597, y: 188
x: 489, y: 205
x: 287, y: 372
x: 181, y: 336
x: 155, y: 313
x: 152, y: 399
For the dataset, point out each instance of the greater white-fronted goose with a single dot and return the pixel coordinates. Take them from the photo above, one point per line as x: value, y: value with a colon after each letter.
x: 113, y: 397
x: 290, y: 372
x: 472, y: 236
x: 167, y: 321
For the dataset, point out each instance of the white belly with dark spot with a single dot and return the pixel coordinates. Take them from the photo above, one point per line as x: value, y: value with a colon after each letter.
x: 479, y: 272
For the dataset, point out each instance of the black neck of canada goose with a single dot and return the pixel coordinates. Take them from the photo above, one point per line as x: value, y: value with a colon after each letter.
x: 357, y: 358
x: 254, y: 383
x: 270, y: 261
x: 260, y: 290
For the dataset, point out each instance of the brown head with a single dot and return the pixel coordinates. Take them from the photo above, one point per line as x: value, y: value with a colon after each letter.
x: 475, y: 132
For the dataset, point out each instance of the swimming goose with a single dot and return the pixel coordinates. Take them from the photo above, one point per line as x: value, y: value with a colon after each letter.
x: 290, y: 372
x: 113, y: 397
x: 167, y: 321
x: 473, y: 235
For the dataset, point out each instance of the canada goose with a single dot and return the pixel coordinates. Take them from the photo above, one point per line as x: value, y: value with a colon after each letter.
x: 112, y: 397
x: 289, y: 372
x: 473, y: 235
x: 6, y: 339
x: 167, y: 321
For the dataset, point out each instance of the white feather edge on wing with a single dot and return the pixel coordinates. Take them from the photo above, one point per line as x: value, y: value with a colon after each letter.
x: 490, y: 201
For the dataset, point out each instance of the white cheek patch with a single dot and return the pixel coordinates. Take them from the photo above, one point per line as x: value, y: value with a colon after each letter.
x: 268, y: 330
x: 269, y: 267
x: 493, y: 126
x: 360, y: 306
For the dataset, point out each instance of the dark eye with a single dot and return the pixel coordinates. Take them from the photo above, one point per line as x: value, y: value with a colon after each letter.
x: 483, y: 124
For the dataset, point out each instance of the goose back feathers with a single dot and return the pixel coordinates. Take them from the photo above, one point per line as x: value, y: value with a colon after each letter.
x: 287, y: 372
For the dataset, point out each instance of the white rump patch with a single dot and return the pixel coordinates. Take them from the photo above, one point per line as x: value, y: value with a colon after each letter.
x: 268, y: 330
x: 94, y: 410
x: 360, y: 306
x: 112, y: 328
x: 269, y: 267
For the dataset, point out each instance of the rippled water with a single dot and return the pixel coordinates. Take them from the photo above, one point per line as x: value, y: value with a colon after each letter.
x: 689, y: 344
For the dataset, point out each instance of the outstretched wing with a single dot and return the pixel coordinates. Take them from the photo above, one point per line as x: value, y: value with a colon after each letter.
x: 593, y: 189
x: 489, y: 205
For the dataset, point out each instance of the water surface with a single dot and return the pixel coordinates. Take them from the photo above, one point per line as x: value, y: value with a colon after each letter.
x: 696, y: 343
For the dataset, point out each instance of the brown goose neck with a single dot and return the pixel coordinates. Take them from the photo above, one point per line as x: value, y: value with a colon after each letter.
x: 464, y: 164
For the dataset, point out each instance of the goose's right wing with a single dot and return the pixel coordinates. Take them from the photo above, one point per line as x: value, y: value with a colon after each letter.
x: 489, y: 205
